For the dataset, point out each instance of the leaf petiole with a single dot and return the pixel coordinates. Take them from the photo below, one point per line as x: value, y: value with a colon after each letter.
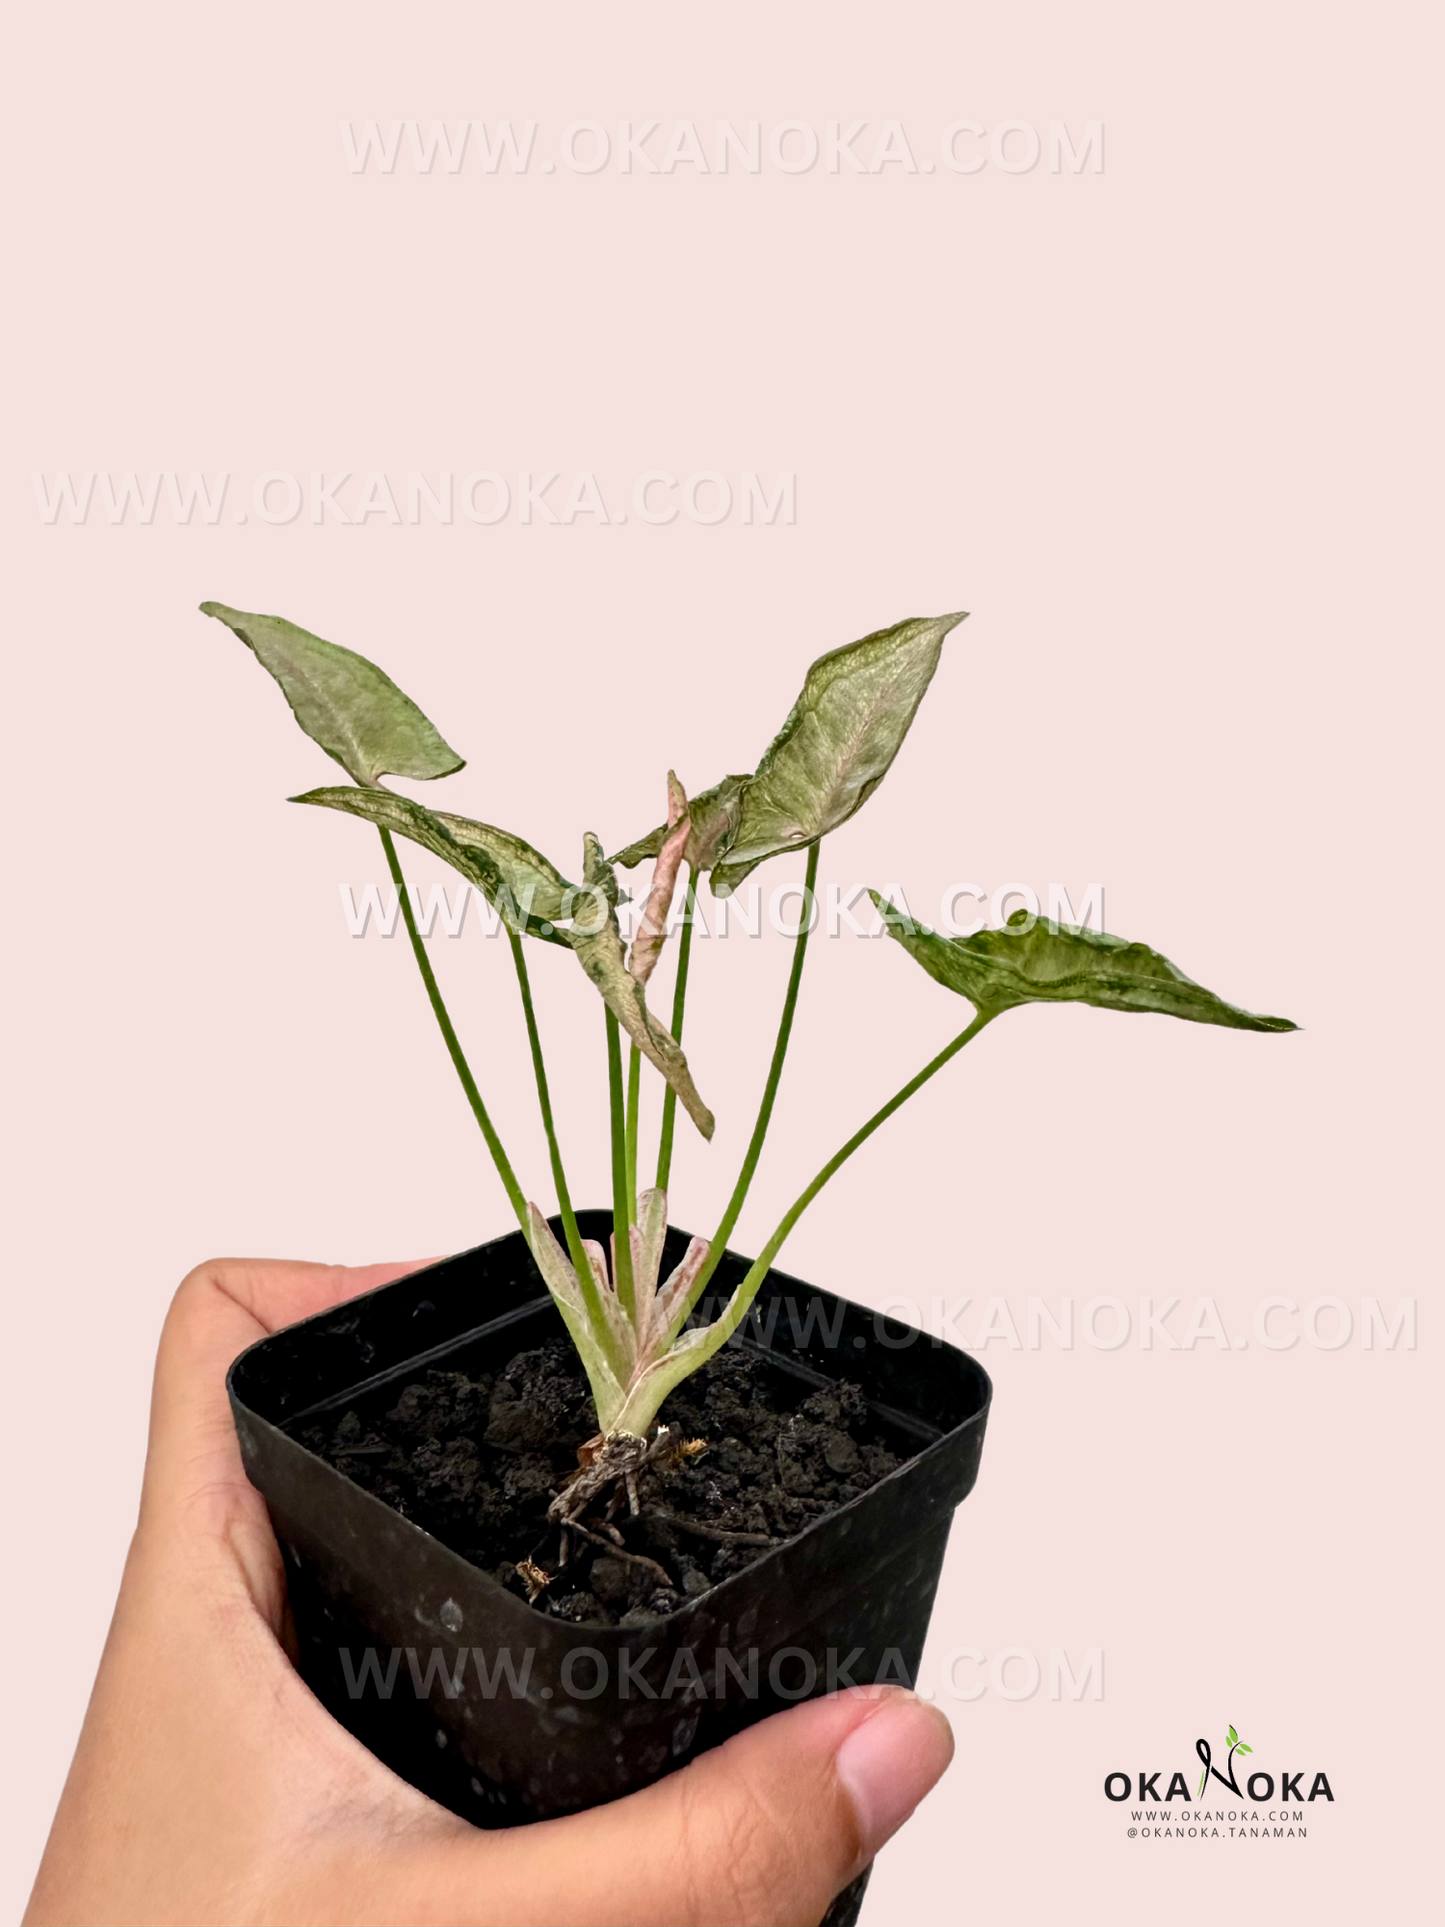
x: 634, y: 1099
x: 622, y: 1206
x: 770, y: 1090
x: 449, y: 1035
x: 743, y: 1297
x: 679, y: 1005
x: 559, y: 1177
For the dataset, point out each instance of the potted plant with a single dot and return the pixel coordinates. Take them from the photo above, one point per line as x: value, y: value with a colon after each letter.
x: 593, y: 1495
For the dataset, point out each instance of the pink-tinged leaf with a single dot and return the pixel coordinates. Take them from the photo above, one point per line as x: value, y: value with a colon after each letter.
x: 837, y: 745
x: 597, y: 1264
x: 674, y: 1292
x: 713, y: 815
x: 618, y: 1323
x: 597, y: 946
x: 648, y: 1235
x: 652, y: 931
x: 615, y: 1312
x: 561, y: 1281
x: 553, y: 1262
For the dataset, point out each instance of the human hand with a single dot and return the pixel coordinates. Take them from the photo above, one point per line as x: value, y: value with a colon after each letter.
x: 209, y: 1786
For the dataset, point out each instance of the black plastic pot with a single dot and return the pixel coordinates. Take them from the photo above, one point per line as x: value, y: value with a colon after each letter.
x: 860, y: 1580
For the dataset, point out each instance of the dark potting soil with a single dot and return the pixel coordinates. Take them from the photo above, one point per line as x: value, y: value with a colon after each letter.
x: 475, y: 1461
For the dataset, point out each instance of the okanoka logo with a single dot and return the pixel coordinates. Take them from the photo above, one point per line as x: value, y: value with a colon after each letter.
x: 1236, y: 1745
x: 1282, y: 1789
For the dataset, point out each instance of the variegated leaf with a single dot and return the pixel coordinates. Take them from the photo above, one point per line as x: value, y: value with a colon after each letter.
x: 343, y: 702
x: 403, y: 817
x: 597, y: 943
x: 542, y: 896
x: 837, y: 745
x: 519, y: 883
x: 1039, y: 961
x: 561, y: 1281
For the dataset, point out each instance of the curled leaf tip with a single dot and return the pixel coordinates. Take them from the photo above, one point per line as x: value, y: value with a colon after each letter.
x: 714, y: 814
x: 597, y: 945
x: 652, y: 930
x: 676, y: 799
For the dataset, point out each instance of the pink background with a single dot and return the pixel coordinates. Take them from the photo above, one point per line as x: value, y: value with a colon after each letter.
x: 1170, y: 431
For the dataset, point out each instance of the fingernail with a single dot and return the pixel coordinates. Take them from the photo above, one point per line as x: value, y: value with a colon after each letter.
x: 889, y: 1762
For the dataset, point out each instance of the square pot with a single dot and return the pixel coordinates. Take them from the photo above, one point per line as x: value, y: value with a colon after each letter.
x: 587, y: 1713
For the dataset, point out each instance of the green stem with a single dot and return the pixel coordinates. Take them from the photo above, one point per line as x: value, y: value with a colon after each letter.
x: 621, y: 1215
x: 469, y: 1085
x: 679, y: 1003
x: 559, y: 1176
x: 634, y: 1098
x: 770, y: 1092
x: 748, y: 1290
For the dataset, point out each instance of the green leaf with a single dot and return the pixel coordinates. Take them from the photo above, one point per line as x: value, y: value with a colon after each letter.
x: 517, y: 881
x: 837, y: 745
x: 1233, y: 1736
x: 1039, y: 961
x: 597, y: 942
x: 342, y: 701
x: 403, y: 817
x: 1242, y: 1748
x: 539, y: 891
x: 713, y: 817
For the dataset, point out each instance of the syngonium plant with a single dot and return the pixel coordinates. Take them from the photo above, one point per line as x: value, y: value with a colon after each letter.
x: 634, y: 1334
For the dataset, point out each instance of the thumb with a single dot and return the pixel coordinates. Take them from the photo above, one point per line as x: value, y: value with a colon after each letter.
x: 760, y: 1832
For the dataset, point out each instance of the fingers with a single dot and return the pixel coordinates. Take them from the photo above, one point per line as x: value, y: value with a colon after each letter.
x: 219, y: 1310
x: 760, y: 1832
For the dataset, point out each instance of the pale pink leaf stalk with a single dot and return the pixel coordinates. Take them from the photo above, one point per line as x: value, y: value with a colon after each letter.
x: 630, y: 1365
x: 652, y: 930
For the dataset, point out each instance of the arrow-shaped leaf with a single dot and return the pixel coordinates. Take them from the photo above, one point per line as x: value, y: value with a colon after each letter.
x: 598, y: 943
x: 837, y: 745
x: 518, y: 881
x: 343, y: 702
x: 1233, y: 1737
x: 1040, y: 961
